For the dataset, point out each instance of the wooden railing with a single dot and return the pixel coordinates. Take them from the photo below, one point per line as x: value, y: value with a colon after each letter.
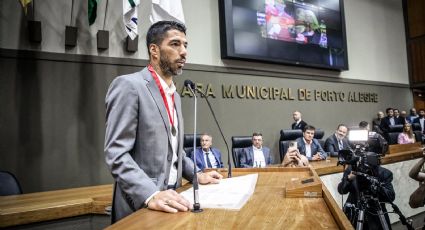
x: 52, y: 205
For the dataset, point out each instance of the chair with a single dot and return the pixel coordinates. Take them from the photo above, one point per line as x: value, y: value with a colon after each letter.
x: 395, y: 128
x: 393, y: 132
x: 238, y: 144
x: 289, y: 135
x: 9, y: 184
x: 188, y: 143
x: 319, y: 134
x: 286, y: 136
x: 418, y: 136
x: 416, y: 127
x: 417, y: 130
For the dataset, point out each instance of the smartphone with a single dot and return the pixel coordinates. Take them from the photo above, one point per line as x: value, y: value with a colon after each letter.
x: 293, y: 144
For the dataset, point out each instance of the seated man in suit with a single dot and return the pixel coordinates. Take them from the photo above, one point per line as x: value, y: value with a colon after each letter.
x: 255, y: 156
x: 337, y: 141
x: 310, y: 147
x: 420, y: 120
x: 412, y: 115
x: 390, y: 119
x: 299, y: 123
x: 207, y: 157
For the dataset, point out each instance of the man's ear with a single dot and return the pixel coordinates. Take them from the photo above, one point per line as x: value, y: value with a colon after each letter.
x: 154, y: 50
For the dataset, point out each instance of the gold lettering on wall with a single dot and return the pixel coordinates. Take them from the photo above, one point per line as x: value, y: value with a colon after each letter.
x: 252, y: 92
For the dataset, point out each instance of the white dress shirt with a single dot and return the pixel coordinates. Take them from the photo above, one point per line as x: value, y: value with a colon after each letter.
x: 258, y: 161
x: 169, y: 91
x: 211, y: 157
x: 307, y: 149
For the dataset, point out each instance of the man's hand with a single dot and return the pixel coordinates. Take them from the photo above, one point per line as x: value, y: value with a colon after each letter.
x: 303, y: 160
x: 169, y: 201
x: 316, y: 157
x: 211, y: 177
x: 291, y: 156
x: 351, y: 176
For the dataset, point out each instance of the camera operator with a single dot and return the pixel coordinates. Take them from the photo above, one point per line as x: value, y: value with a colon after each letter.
x: 359, y: 184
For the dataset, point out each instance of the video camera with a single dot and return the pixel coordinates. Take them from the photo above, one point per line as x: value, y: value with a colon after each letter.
x: 368, y: 149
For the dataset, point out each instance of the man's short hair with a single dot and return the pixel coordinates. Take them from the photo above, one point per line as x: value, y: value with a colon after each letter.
x: 256, y: 134
x: 341, y: 125
x: 388, y: 109
x: 363, y: 124
x: 422, y: 110
x: 309, y: 127
x: 157, y: 31
x: 206, y: 134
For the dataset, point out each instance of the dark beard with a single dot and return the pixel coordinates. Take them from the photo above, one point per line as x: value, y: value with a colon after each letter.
x: 165, y: 65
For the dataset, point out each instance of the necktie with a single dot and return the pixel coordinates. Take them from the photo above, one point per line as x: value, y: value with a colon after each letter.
x: 209, y: 165
x: 340, y: 145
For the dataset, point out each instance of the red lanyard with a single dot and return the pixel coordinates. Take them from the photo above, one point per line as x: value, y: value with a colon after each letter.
x: 164, y: 98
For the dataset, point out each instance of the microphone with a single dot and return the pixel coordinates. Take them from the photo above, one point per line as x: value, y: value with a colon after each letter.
x: 191, y: 86
x: 195, y: 183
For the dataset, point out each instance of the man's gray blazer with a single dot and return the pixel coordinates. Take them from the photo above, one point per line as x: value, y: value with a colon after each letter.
x: 246, y: 158
x: 137, y: 142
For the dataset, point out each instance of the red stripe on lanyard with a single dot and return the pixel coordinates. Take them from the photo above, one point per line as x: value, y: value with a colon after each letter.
x: 164, y: 98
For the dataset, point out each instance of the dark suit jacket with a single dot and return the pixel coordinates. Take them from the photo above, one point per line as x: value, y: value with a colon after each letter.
x: 300, y: 125
x: 416, y: 120
x: 385, y: 194
x: 138, y: 148
x: 315, y: 148
x: 332, y: 147
x: 385, y: 123
x: 200, y: 162
x: 246, y: 157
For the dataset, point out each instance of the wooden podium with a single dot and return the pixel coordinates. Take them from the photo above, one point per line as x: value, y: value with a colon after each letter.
x: 280, y: 201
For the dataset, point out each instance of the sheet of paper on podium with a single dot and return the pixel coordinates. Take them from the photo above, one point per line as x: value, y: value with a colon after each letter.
x: 231, y: 193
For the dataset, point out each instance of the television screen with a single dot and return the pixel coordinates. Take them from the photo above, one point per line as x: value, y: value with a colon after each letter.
x: 308, y: 33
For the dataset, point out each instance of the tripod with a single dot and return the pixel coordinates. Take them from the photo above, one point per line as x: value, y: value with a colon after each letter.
x: 368, y: 202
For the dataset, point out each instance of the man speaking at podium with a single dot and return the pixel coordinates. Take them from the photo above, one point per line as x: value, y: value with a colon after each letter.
x: 144, y: 129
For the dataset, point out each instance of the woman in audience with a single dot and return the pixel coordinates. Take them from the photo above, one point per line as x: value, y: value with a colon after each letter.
x: 407, y: 136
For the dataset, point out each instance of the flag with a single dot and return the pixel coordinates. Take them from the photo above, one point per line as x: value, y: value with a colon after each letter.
x: 130, y: 17
x: 25, y: 4
x: 92, y: 9
x: 170, y: 10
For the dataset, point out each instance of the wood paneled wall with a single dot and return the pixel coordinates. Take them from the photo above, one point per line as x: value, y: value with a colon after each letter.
x: 416, y: 40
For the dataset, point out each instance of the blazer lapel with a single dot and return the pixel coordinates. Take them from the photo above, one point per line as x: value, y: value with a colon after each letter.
x: 178, y: 107
x: 156, y: 95
x: 251, y: 154
x: 200, y: 157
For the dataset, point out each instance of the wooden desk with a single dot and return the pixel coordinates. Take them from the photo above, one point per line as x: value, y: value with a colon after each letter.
x: 395, y: 154
x: 267, y: 209
x: 42, y: 206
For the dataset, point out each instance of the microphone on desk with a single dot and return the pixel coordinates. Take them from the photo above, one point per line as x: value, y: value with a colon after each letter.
x: 192, y: 87
x: 196, y: 206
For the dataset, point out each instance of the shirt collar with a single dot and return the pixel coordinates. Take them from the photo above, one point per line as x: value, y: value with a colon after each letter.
x: 306, y: 141
x: 208, y: 151
x: 255, y: 148
x: 169, y: 90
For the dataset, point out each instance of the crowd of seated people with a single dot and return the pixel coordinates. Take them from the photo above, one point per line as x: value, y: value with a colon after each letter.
x: 399, y: 128
x: 306, y: 148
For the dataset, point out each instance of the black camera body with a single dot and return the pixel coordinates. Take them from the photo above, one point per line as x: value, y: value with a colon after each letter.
x: 368, y: 148
x: 360, y: 160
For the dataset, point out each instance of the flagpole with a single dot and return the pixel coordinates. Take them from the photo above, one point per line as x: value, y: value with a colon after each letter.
x: 106, y: 13
x: 72, y: 11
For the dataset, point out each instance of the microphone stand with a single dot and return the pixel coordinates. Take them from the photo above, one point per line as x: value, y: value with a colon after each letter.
x: 196, y: 205
x: 229, y: 171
